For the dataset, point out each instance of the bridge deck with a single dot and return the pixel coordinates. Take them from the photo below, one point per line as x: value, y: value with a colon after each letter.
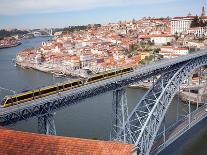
x: 179, y: 129
x: 95, y: 88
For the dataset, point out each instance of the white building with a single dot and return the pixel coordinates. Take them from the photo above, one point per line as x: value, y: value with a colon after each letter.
x: 197, y: 31
x: 172, y: 52
x: 86, y: 59
x: 162, y: 39
x: 38, y: 59
x: 181, y: 24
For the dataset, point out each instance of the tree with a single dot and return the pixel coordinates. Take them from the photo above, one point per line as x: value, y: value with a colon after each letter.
x: 195, y: 22
x: 142, y: 62
x: 150, y: 57
x: 198, y: 22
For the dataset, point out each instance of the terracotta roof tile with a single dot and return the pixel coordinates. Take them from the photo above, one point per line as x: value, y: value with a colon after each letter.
x: 23, y: 143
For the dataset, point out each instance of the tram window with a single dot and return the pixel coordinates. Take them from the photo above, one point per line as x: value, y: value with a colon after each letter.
x: 67, y: 85
x: 36, y: 93
x: 74, y: 83
x: 48, y: 90
x: 112, y: 73
x: 60, y: 87
x: 91, y: 79
x: 23, y: 97
x: 8, y: 101
x: 14, y: 99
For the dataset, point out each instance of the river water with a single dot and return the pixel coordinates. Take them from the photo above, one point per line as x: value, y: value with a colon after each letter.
x: 90, y: 118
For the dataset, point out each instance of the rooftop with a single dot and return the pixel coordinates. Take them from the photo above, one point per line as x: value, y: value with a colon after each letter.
x: 17, y: 142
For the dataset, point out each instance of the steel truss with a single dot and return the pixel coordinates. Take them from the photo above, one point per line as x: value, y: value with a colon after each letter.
x: 46, y: 124
x: 120, y: 111
x: 144, y: 121
x: 53, y: 103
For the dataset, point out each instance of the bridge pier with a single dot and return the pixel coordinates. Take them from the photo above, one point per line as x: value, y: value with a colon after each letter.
x: 46, y: 124
x: 119, y: 114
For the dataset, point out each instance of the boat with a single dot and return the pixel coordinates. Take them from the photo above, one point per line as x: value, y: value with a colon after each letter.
x: 57, y: 75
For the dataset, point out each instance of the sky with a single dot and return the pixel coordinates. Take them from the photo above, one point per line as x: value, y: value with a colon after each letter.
x: 30, y: 14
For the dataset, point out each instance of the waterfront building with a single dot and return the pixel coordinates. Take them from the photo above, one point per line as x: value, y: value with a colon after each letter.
x: 58, y: 33
x: 38, y: 58
x: 72, y: 62
x: 86, y: 59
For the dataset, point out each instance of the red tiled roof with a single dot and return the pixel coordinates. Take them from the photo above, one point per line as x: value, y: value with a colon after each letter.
x: 185, y: 17
x: 23, y: 143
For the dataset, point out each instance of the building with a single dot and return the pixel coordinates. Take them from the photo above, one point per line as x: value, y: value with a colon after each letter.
x: 197, y: 31
x: 86, y: 59
x: 162, y: 39
x: 23, y: 143
x: 143, y: 55
x: 172, y: 52
x: 181, y: 24
x: 73, y: 62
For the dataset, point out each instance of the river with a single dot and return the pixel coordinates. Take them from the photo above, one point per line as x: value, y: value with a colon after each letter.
x: 90, y: 118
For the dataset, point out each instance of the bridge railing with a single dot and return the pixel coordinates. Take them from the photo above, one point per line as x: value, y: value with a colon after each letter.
x: 196, y: 116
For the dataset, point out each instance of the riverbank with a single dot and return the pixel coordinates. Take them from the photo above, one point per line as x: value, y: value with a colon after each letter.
x: 142, y: 85
x: 95, y: 112
x: 55, y: 69
x: 195, y: 98
x: 9, y: 46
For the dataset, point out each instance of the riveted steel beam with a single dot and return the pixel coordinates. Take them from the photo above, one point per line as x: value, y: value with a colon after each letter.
x: 46, y: 124
x: 144, y: 121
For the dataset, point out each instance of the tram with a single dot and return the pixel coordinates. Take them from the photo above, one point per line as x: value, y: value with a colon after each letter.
x: 53, y: 89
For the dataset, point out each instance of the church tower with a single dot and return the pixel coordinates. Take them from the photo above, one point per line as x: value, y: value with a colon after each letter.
x: 203, y: 11
x: 189, y: 14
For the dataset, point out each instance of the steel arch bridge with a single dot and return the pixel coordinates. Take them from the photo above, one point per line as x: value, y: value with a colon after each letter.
x: 141, y: 126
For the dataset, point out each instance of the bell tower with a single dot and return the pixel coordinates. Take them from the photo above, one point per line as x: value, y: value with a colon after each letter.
x: 203, y: 11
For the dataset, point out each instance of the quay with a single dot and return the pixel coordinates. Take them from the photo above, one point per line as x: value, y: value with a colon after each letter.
x: 53, y: 69
x: 9, y: 46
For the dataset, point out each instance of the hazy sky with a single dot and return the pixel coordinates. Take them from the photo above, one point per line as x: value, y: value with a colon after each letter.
x: 61, y: 13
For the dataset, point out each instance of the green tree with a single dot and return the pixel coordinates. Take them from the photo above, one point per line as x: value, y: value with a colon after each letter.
x: 198, y: 22
x: 195, y: 22
x: 142, y: 62
x: 151, y: 57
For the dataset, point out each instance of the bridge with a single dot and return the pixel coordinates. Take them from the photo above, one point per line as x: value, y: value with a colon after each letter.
x: 141, y: 126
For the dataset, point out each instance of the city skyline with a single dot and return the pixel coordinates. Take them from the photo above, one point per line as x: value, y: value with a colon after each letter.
x: 37, y: 14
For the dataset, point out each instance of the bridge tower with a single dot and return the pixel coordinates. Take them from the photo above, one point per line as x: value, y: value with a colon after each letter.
x: 46, y: 124
x: 120, y: 113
